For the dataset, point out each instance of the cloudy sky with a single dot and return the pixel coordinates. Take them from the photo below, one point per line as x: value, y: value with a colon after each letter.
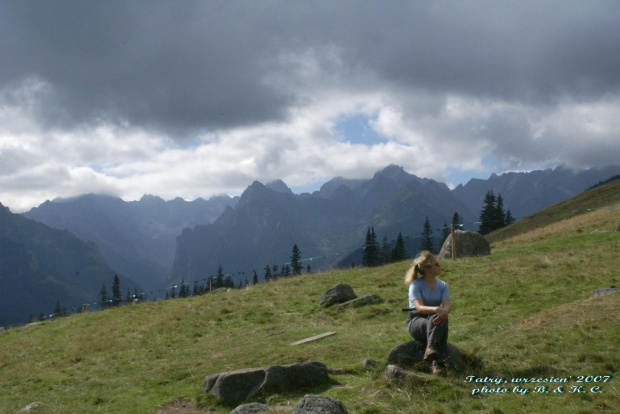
x: 196, y: 98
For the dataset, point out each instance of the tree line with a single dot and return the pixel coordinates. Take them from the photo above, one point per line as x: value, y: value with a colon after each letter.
x: 492, y: 217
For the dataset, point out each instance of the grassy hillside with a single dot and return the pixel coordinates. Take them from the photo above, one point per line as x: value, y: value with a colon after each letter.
x: 525, y: 311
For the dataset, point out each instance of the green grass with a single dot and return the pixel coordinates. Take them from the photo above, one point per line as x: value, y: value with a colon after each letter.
x: 524, y: 311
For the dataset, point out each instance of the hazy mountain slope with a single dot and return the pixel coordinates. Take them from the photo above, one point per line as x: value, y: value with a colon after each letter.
x: 137, y: 238
x: 526, y: 193
x: 40, y: 266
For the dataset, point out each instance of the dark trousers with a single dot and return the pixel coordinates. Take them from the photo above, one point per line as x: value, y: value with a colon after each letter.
x: 422, y: 328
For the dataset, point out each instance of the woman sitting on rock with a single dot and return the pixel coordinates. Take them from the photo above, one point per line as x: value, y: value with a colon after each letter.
x: 429, y: 299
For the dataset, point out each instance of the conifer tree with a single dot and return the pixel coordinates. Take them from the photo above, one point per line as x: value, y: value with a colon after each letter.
x: 427, y: 236
x: 456, y: 220
x: 267, y: 276
x: 103, y: 297
x: 117, y: 299
x: 509, y: 218
x: 296, y: 265
x: 370, y: 256
x: 488, y: 213
x: 255, y: 278
x: 384, y: 253
x: 308, y: 270
x: 399, y: 252
x: 219, y: 278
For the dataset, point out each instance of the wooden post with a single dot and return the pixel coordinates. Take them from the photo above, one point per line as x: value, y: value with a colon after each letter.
x: 453, y: 242
x: 85, y: 308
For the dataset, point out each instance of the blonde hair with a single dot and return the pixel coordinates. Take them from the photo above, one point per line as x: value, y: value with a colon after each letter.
x: 423, y: 260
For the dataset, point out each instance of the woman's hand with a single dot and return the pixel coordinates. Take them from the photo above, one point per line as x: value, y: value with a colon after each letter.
x: 441, y: 316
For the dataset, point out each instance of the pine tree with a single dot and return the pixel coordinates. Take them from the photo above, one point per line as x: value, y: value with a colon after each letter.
x: 117, y: 299
x: 296, y: 260
x: 456, y: 220
x: 103, y: 297
x: 399, y: 252
x: 488, y: 213
x: 427, y: 236
x: 509, y: 218
x: 255, y: 278
x: 499, y: 218
x: 385, y: 251
x: 219, y: 278
x: 267, y: 276
x: 308, y: 270
x: 370, y: 256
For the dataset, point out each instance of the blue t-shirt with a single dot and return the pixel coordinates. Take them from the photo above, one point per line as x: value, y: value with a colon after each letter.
x: 418, y: 289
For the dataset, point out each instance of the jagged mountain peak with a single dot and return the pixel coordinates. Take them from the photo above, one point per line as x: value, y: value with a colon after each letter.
x: 279, y: 186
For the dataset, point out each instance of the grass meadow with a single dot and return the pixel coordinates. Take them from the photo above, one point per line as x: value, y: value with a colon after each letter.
x: 526, y: 311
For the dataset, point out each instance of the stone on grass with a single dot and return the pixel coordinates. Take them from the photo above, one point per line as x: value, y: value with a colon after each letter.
x: 605, y: 291
x: 236, y: 386
x: 251, y: 408
x: 468, y: 243
x: 394, y: 372
x: 338, y: 294
x: 318, y: 404
x: 412, y: 352
x: 364, y: 300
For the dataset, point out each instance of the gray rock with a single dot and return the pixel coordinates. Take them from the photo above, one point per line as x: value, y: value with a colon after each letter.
x: 369, y: 363
x: 468, y: 243
x: 251, y: 408
x: 411, y: 352
x: 318, y: 404
x: 606, y: 291
x: 235, y: 386
x: 618, y: 228
x: 364, y: 300
x: 29, y: 407
x: 394, y: 372
x: 338, y: 294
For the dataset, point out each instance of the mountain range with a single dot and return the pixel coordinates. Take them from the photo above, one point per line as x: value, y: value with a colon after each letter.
x: 41, y: 267
x: 157, y: 243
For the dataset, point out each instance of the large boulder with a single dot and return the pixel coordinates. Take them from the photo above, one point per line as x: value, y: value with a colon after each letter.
x: 468, y: 243
x: 411, y: 352
x: 236, y: 386
x: 338, y: 294
x: 318, y: 404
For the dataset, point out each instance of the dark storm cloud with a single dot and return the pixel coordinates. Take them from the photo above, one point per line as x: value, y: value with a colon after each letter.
x: 183, y: 66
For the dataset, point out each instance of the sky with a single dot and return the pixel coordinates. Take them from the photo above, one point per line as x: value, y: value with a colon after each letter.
x: 199, y: 98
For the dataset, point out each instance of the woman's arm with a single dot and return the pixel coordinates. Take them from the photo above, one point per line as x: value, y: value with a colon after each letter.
x: 441, y: 311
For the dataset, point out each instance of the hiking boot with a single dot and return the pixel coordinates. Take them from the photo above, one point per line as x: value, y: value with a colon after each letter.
x: 438, y: 368
x: 430, y: 354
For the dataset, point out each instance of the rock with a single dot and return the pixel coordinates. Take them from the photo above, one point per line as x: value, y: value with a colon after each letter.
x: 29, y: 407
x: 606, y: 291
x: 411, y: 352
x: 338, y: 294
x: 317, y: 404
x: 618, y: 228
x: 364, y: 300
x: 251, y: 408
x: 468, y: 243
x: 394, y: 372
x: 598, y: 231
x: 369, y: 363
x: 235, y: 386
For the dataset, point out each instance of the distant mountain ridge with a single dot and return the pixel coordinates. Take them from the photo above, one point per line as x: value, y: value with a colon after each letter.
x: 40, y: 266
x: 263, y: 226
x: 158, y: 243
x: 527, y: 193
x: 137, y: 238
